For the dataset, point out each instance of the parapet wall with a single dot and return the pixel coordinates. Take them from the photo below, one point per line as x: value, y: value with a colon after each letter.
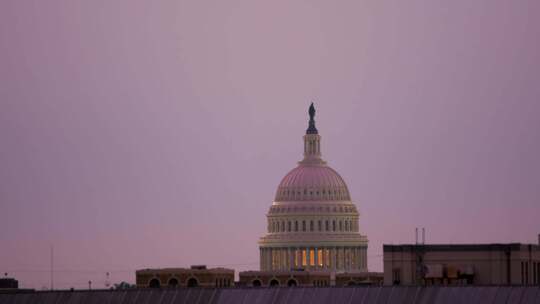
x: 379, y: 294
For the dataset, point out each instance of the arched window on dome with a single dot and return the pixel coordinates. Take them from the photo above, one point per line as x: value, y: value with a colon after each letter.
x: 273, y: 227
x: 303, y: 225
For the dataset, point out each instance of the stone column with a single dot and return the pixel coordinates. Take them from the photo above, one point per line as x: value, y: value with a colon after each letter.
x: 362, y: 258
x: 316, y: 256
x: 265, y: 259
x: 347, y: 257
x: 356, y: 258
x: 290, y: 262
x: 342, y: 257
x: 307, y: 257
x: 271, y: 253
x: 285, y: 259
x: 334, y: 258
x: 323, y: 258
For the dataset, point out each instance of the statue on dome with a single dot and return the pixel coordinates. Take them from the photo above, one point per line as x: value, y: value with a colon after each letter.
x: 311, y: 129
x: 311, y: 111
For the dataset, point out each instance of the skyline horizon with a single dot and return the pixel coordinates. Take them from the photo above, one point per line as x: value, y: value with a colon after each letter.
x: 139, y: 134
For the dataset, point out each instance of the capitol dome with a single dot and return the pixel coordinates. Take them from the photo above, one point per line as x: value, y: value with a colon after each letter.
x: 312, y: 183
x: 312, y: 223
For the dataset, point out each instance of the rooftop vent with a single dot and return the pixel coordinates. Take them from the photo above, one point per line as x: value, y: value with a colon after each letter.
x: 198, y: 267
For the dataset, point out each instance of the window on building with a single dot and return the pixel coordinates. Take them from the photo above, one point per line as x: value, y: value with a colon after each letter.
x: 312, y: 257
x: 320, y: 225
x: 289, y: 226
x: 333, y: 225
x: 346, y: 225
x: 534, y: 273
x: 538, y: 273
x: 340, y: 226
x: 310, y: 225
x: 326, y: 224
x: 526, y: 272
x: 396, y: 276
x: 304, y: 257
x: 295, y: 225
x: 282, y: 226
x: 320, y: 257
x: 522, y: 273
x: 303, y: 225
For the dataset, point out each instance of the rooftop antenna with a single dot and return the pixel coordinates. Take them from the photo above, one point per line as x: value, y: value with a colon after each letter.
x: 52, y: 267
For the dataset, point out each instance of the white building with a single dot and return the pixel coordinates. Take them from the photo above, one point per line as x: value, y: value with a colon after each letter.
x: 312, y: 223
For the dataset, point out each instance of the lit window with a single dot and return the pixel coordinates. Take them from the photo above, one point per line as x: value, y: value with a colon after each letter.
x: 319, y: 257
x: 312, y: 257
x: 304, y: 257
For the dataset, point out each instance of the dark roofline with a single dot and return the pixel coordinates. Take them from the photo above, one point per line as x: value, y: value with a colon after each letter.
x: 459, y: 247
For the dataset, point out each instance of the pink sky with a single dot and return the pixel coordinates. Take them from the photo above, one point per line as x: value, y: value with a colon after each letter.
x: 154, y: 133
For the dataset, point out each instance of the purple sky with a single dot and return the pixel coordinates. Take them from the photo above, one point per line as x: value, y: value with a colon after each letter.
x: 154, y: 133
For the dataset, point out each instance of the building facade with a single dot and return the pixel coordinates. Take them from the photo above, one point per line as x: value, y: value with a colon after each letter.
x: 284, y: 278
x: 196, y: 276
x: 465, y: 264
x: 312, y: 223
x: 359, y: 278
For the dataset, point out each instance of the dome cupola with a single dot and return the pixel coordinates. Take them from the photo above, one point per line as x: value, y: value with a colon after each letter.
x: 312, y: 179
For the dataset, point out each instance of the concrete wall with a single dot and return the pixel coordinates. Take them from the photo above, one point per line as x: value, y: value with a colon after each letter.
x: 321, y: 295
